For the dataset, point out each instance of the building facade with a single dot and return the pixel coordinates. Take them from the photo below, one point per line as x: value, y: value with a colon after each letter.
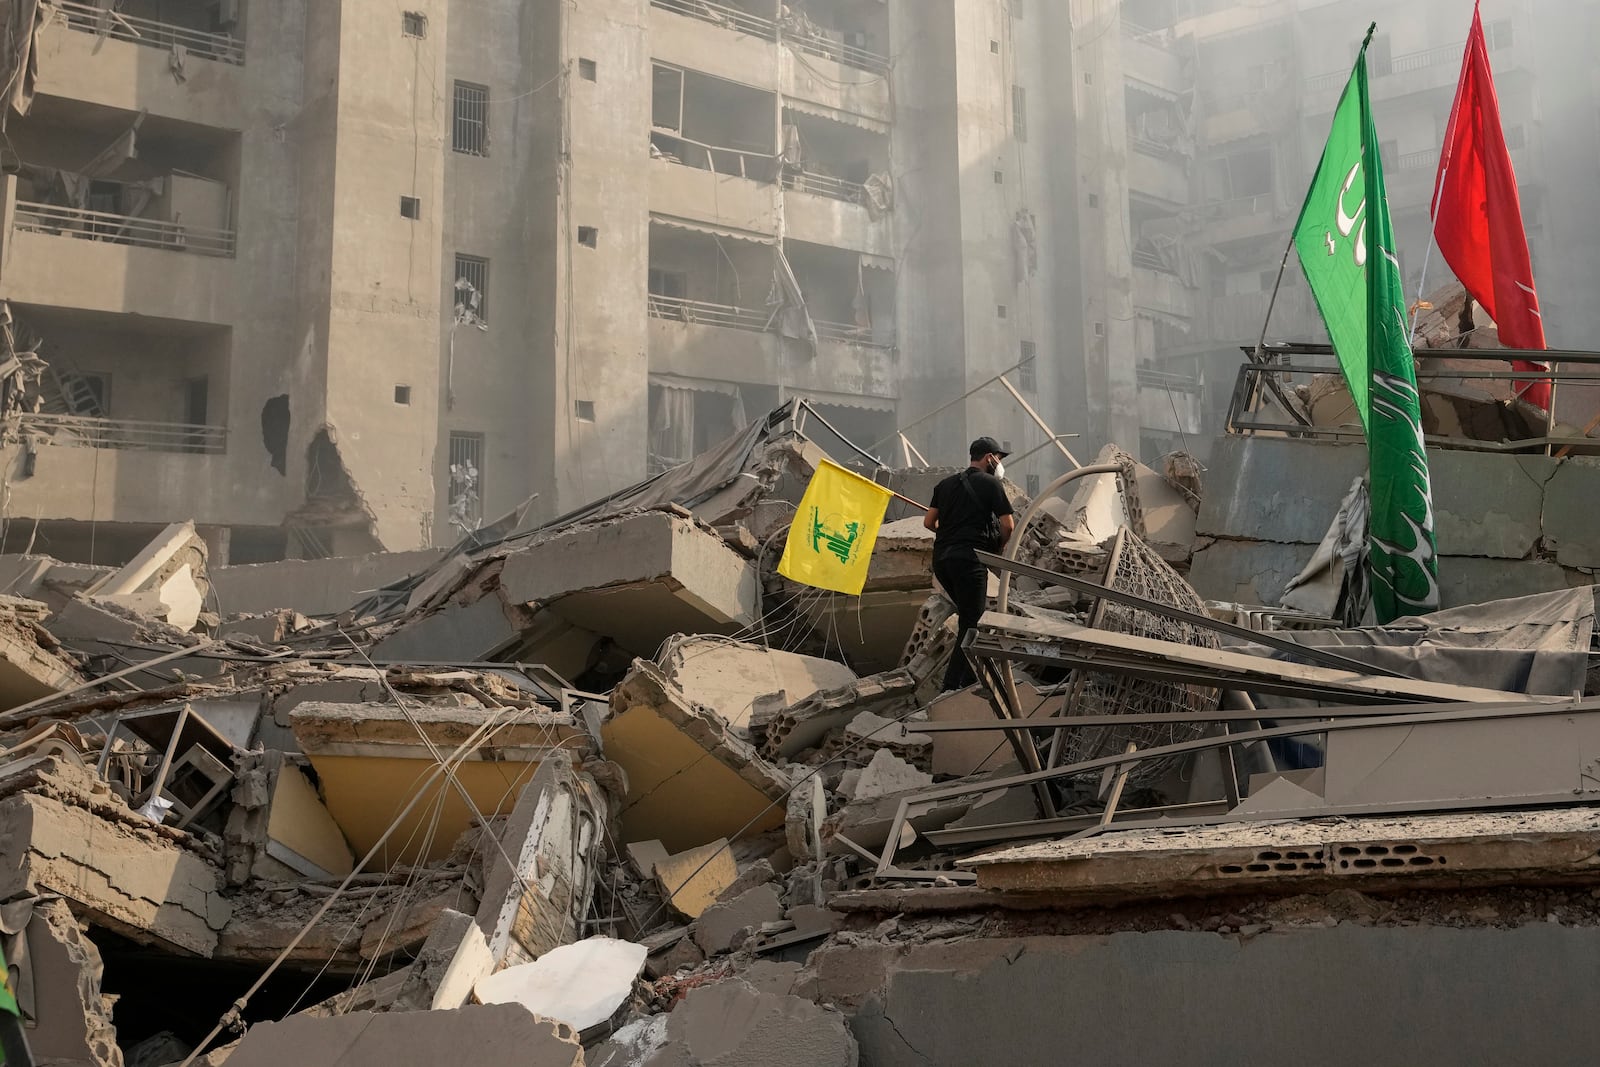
x: 330, y: 277
x: 1200, y: 164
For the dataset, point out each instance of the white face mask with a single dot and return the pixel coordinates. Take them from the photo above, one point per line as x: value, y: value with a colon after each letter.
x: 999, y: 468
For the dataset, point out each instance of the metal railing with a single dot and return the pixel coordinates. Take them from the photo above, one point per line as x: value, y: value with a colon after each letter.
x: 1289, y: 364
x: 92, y: 18
x: 1448, y: 54
x: 733, y: 162
x: 722, y: 15
x: 839, y: 52
x: 1419, y: 160
x: 706, y: 313
x: 131, y: 434
x: 848, y: 333
x: 88, y: 225
x: 826, y: 185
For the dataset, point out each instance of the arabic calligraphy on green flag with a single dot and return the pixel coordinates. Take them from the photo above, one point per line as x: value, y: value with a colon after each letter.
x: 1345, y: 240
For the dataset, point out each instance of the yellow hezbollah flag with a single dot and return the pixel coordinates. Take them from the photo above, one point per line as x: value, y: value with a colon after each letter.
x: 830, y: 542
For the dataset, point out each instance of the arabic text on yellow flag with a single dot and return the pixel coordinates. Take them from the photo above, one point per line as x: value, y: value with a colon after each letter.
x: 830, y: 542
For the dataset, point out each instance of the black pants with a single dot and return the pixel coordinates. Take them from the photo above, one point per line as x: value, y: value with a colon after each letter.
x: 965, y: 581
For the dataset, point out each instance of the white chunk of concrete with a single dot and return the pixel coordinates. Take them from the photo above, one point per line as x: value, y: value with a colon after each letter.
x: 888, y: 774
x: 582, y: 984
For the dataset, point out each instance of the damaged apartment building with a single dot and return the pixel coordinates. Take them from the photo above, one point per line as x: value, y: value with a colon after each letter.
x: 332, y: 278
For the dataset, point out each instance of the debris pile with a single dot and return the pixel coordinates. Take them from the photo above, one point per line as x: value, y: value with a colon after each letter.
x: 612, y: 791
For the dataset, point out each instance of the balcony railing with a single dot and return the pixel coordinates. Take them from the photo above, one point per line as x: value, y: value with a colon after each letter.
x: 826, y: 185
x: 96, y: 19
x: 722, y: 15
x: 733, y: 162
x: 86, y: 432
x: 709, y: 314
x: 848, y: 333
x: 1447, y: 54
x: 123, y: 229
x: 819, y: 44
x: 756, y: 320
x: 1424, y: 159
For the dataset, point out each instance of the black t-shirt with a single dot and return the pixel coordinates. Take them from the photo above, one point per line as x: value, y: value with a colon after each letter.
x: 964, y: 522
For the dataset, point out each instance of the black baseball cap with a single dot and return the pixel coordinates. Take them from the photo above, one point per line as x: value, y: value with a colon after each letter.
x: 983, y: 446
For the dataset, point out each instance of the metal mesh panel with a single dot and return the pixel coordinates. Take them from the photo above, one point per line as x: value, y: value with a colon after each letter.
x: 470, y: 128
x: 1136, y: 568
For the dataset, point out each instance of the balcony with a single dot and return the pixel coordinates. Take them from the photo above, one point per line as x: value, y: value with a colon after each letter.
x: 1162, y: 294
x: 1148, y: 58
x: 1428, y: 69
x: 123, y: 229
x: 127, y: 434
x: 833, y: 211
x: 715, y: 197
x: 71, y: 258
x: 149, y: 486
x: 124, y: 71
x: 716, y: 342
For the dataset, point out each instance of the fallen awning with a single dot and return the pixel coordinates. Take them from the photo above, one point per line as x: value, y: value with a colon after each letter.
x: 837, y: 400
x: 698, y: 385
x: 675, y: 223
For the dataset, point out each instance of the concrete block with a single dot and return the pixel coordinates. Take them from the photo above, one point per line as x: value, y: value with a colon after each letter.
x: 717, y: 929
x: 583, y: 984
x: 887, y: 774
x: 448, y: 965
x: 465, y: 632
x: 734, y: 1023
x: 1486, y: 504
x: 315, y: 586
x: 486, y: 1035
x: 729, y: 676
x: 1248, y: 571
x: 1268, y: 495
x: 692, y: 881
x: 636, y: 578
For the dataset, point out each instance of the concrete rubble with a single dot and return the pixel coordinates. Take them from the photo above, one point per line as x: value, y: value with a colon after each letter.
x: 608, y: 792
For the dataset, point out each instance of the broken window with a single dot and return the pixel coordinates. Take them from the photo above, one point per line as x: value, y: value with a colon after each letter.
x: 673, y: 284
x: 414, y: 24
x: 713, y: 124
x: 1498, y: 34
x: 470, y: 128
x: 472, y: 289
x: 1243, y: 174
x: 466, y: 480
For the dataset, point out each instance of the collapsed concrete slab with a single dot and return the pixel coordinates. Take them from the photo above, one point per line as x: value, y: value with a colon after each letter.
x: 371, y: 763
x: 807, y: 723
x: 58, y: 989
x: 32, y: 661
x: 62, y: 832
x: 719, y: 927
x: 486, y: 1035
x: 636, y: 578
x: 730, y: 675
x: 691, y: 780
x: 693, y: 881
x: 733, y: 1023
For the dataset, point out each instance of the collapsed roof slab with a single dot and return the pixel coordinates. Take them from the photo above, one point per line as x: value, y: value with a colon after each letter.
x: 28, y: 669
x: 111, y: 865
x: 637, y: 579
x: 690, y: 779
x: 487, y: 1035
x: 372, y: 761
x: 730, y: 675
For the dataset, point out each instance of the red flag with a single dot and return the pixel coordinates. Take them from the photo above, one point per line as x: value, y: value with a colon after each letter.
x: 1477, y: 215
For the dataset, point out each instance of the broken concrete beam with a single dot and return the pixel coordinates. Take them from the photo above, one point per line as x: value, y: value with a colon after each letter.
x: 371, y: 763
x: 729, y: 676
x: 690, y: 779
x: 693, y: 881
x: 719, y: 927
x: 166, y: 580
x: 734, y: 1023
x: 448, y: 965
x: 487, y: 1035
x: 888, y: 774
x: 583, y: 985
x: 807, y: 723
x: 555, y: 836
x: 636, y: 578
x: 130, y: 878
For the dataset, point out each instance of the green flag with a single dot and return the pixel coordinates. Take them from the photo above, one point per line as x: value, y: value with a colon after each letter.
x: 1346, y: 245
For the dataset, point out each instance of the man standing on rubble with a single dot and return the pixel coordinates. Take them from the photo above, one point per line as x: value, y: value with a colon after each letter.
x: 970, y: 512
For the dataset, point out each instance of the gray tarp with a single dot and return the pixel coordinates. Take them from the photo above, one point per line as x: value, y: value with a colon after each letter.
x: 1535, y: 644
